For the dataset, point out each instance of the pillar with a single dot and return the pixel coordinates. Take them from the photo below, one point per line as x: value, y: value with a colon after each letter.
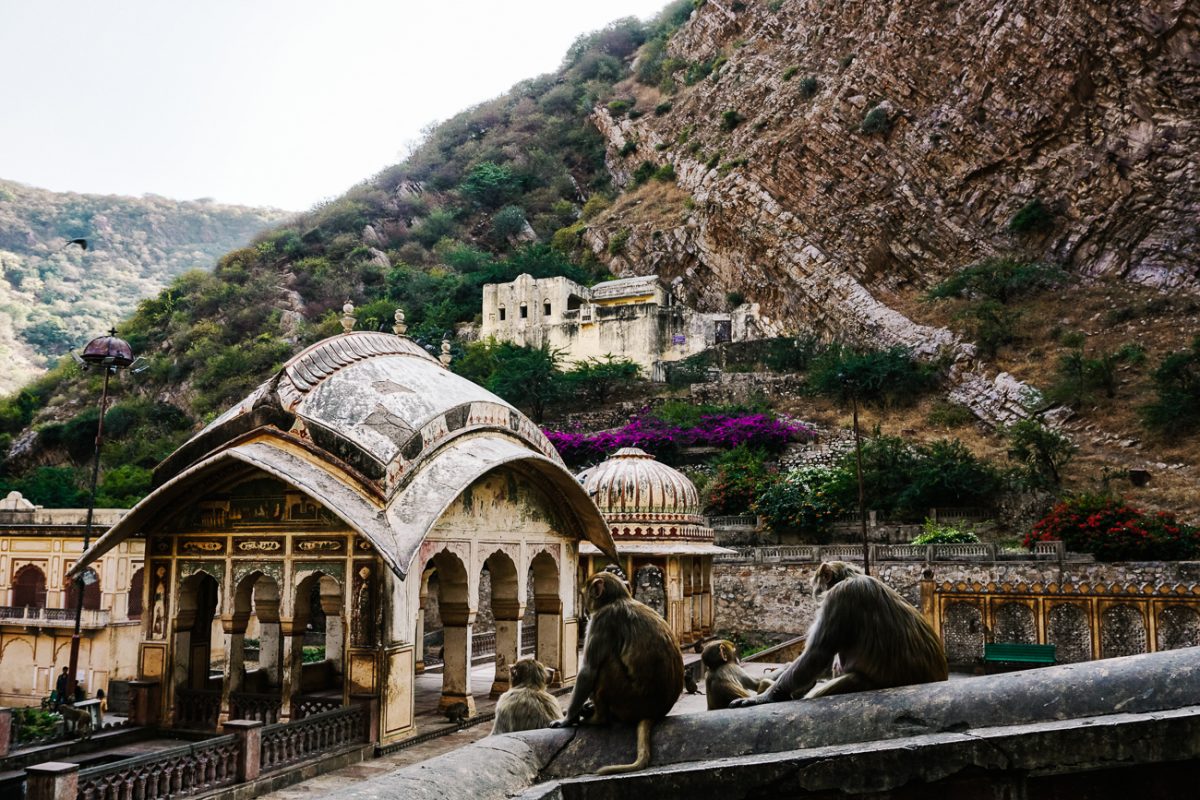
x: 234, y: 629
x: 456, y: 656
x: 52, y: 780
x: 508, y: 615
x: 685, y: 568
x: 420, y: 637
x: 5, y: 731
x: 249, y: 739
x: 549, y: 636
x: 269, y: 638
x: 293, y: 664
x: 706, y: 599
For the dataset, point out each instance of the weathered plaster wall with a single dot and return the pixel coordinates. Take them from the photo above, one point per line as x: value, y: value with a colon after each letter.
x: 775, y: 597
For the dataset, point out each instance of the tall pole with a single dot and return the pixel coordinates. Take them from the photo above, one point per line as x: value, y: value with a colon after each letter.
x: 862, y: 502
x: 87, y: 538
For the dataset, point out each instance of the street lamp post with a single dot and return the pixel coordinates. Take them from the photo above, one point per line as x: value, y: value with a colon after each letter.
x: 108, y: 353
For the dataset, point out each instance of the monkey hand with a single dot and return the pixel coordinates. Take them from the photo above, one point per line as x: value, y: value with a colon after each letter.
x: 569, y: 722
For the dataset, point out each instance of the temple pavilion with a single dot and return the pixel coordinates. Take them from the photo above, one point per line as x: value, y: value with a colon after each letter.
x: 303, y: 524
x: 653, y: 514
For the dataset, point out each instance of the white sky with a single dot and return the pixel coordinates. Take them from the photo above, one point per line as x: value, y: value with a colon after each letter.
x: 262, y: 102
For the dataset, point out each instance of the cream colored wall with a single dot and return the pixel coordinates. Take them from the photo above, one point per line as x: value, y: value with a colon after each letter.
x: 32, y: 656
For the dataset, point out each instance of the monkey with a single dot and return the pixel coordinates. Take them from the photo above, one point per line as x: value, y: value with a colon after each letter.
x: 526, y: 705
x: 689, y: 683
x: 726, y: 681
x: 880, y: 640
x: 632, y: 667
x: 81, y: 720
x: 457, y: 712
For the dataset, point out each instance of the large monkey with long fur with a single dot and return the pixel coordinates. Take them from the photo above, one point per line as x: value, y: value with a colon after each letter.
x: 880, y: 639
x: 632, y: 668
x: 526, y: 705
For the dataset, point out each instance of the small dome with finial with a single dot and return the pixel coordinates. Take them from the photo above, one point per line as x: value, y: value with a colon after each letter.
x: 109, y: 350
x: 633, y: 488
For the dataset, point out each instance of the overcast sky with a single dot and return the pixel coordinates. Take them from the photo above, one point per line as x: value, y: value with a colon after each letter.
x: 262, y: 102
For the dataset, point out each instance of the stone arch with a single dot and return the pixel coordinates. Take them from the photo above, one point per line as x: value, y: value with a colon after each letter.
x: 507, y: 607
x: 1013, y: 622
x: 1178, y: 626
x: 545, y: 582
x: 197, y: 704
x: 456, y: 615
x: 318, y: 618
x: 1070, y: 631
x: 29, y: 587
x: 137, y: 588
x: 1122, y: 631
x: 91, y: 591
x: 963, y: 633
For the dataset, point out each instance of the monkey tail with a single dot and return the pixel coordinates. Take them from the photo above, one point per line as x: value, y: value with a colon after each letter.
x: 643, y: 752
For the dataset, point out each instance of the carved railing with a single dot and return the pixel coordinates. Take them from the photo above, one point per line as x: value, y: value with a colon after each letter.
x: 308, y: 705
x: 740, y: 521
x: 54, y: 617
x: 975, y: 551
x: 261, y: 707
x: 197, y: 708
x: 289, y: 743
x: 178, y: 772
x: 483, y: 643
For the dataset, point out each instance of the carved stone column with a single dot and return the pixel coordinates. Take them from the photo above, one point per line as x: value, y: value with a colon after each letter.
x: 685, y: 635
x: 292, y: 643
x: 706, y: 599
x: 457, y: 619
x: 508, y: 615
x: 420, y: 637
x: 549, y: 636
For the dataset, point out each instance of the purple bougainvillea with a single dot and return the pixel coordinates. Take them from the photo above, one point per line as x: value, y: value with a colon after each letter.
x: 665, y: 440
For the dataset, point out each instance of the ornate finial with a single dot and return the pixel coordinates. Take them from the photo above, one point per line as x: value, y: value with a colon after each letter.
x: 348, y: 317
x: 445, y: 357
x: 399, y: 328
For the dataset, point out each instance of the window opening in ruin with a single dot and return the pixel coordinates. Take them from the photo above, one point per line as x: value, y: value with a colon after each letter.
x: 546, y: 308
x: 574, y: 302
x: 502, y: 313
x: 524, y: 311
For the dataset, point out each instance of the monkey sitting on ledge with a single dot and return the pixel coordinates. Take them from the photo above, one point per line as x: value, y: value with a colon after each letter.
x: 726, y: 680
x: 632, y: 668
x: 526, y: 705
x: 880, y: 640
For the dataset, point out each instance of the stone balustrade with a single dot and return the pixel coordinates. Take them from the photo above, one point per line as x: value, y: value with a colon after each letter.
x: 290, y: 743
x: 977, y: 551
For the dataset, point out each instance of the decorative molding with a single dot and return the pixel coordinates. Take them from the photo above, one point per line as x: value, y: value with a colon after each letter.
x: 334, y: 569
x: 201, y: 546
x: 258, y: 545
x: 319, y: 546
x: 272, y: 569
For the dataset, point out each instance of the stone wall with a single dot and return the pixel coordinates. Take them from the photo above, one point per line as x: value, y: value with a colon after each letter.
x: 775, y: 598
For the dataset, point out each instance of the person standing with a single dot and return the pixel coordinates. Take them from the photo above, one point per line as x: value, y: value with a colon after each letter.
x: 60, y: 687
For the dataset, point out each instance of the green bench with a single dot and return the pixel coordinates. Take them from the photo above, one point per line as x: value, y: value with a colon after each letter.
x: 1009, y: 653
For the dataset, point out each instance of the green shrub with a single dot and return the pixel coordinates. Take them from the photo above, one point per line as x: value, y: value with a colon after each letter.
x: 1078, y: 376
x: 1033, y: 217
x: 617, y: 242
x: 801, y: 502
x: 508, y: 221
x: 1175, y: 410
x: 792, y: 354
x: 595, y: 379
x: 790, y: 73
x: 730, y: 119
x: 1042, y: 452
x: 1132, y: 353
x: 734, y: 299
x: 629, y: 148
x: 877, y: 120
x: 808, y: 87
x: 594, y: 205
x: 665, y: 173
x: 490, y: 185
x: 741, y: 475
x: 312, y: 653
x: 619, y: 106
x: 1000, y: 279
x: 946, y: 414
x: 935, y: 533
x: 881, y: 377
x: 991, y: 325
x: 662, y: 108
x: 644, y: 172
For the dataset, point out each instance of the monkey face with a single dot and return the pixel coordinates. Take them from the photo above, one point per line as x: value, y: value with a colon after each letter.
x: 719, y: 653
x: 527, y: 672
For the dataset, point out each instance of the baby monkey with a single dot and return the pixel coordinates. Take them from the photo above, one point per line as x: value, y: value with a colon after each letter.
x: 725, y: 680
x: 526, y: 705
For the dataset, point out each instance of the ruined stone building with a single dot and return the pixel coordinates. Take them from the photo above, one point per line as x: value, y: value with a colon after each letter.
x: 318, y: 510
x: 653, y: 513
x: 37, y: 548
x: 635, y: 318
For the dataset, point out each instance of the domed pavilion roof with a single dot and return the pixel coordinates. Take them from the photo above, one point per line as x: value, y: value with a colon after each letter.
x: 643, y: 499
x: 377, y: 430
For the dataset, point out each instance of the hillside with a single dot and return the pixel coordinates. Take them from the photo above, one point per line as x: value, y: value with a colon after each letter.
x: 53, y: 299
x: 830, y: 163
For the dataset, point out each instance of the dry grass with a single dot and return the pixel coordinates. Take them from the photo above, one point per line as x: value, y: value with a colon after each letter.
x: 658, y: 205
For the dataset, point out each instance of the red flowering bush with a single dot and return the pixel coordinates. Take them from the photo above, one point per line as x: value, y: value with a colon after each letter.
x: 1112, y: 530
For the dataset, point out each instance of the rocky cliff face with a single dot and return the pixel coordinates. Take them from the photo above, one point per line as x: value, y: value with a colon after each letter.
x: 844, y: 152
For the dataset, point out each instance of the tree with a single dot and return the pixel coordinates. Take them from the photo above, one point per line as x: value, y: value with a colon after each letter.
x: 527, y: 377
x: 1043, y: 452
x: 595, y: 379
x: 490, y: 185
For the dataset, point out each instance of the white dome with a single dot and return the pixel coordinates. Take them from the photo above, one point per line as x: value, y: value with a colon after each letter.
x: 641, y: 497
